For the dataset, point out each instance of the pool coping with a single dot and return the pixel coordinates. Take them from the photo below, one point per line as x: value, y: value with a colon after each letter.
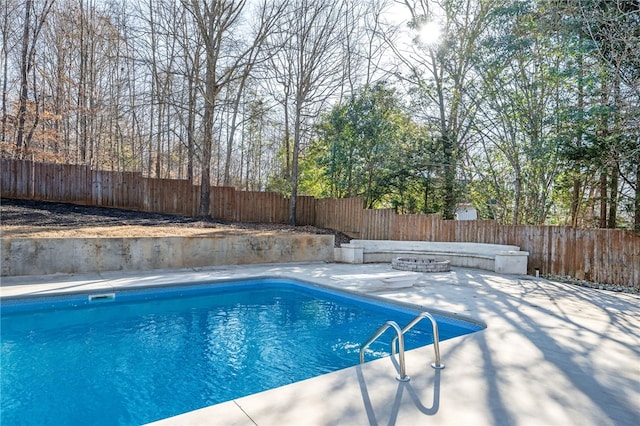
x: 552, y: 353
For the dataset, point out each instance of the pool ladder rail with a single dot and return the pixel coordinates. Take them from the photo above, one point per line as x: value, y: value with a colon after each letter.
x: 399, y: 338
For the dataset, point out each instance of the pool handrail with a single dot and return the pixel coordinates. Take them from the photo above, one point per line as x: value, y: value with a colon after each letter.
x: 436, y: 338
x: 402, y: 377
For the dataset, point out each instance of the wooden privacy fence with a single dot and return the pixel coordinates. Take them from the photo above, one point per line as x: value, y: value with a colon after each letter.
x: 608, y: 256
x: 600, y: 255
x: 130, y: 190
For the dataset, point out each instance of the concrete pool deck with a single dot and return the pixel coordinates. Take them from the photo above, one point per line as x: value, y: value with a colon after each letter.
x: 552, y: 353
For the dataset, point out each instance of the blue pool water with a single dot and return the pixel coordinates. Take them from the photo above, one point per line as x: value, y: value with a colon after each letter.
x: 141, y: 355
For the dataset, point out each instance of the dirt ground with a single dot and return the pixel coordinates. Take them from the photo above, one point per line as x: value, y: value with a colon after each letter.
x: 41, y: 219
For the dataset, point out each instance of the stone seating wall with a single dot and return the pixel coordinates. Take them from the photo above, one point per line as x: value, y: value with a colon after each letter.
x: 506, y: 259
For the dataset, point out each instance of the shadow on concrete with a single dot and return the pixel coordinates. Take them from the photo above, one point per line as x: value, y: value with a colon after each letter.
x: 414, y: 395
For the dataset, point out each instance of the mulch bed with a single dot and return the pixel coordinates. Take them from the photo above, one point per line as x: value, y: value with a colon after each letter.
x: 66, y: 216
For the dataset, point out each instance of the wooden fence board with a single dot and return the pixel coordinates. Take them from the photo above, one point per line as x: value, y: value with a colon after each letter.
x: 376, y: 224
x: 342, y: 214
x: 305, y: 210
x: 222, y: 203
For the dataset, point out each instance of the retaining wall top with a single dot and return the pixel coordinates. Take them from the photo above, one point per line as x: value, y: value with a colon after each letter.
x: 431, y: 246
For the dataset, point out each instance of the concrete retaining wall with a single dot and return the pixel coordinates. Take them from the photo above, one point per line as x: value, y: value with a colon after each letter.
x: 40, y: 256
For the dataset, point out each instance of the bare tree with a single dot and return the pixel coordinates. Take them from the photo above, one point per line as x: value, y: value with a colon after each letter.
x: 226, y: 59
x: 34, y: 20
x: 441, y: 70
x: 10, y: 9
x: 255, y: 54
x: 307, y: 68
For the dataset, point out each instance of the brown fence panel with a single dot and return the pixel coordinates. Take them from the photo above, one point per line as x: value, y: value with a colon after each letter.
x: 104, y: 189
x: 601, y: 255
x: 583, y: 254
x: 266, y: 207
x: 421, y: 227
x: 23, y: 179
x: 118, y: 192
x: 414, y: 227
x: 7, y: 178
x: 45, y: 181
x: 326, y: 212
x: 344, y: 215
x: 17, y: 178
x: 73, y: 183
x: 486, y: 231
x: 222, y: 203
x: 166, y: 195
x: 448, y: 230
x: 171, y: 195
x: 184, y: 197
x: 305, y: 210
x: 631, y: 248
x: 152, y: 195
x: 433, y: 223
x: 562, y: 249
x: 194, y: 206
x: 410, y: 227
x: 376, y: 224
x: 466, y: 230
x: 37, y: 182
x: 245, y: 205
x: 133, y: 187
x: 629, y: 259
x: 613, y: 255
x: 616, y: 258
x: 96, y: 188
x: 144, y: 195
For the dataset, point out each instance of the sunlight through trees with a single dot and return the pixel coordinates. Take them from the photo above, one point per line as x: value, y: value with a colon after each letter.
x: 527, y: 110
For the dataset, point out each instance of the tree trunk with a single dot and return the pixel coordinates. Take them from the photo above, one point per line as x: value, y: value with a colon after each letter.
x: 5, y: 71
x: 637, y: 197
x: 24, y: 76
x: 294, y: 164
x: 603, y: 200
x: 613, y: 197
x: 576, y: 194
x: 449, y: 179
x: 207, y: 143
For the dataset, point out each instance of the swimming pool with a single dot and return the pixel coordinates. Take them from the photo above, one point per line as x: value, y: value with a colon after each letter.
x: 135, y: 356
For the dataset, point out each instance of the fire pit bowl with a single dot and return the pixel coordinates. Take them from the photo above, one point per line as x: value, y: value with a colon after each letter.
x: 416, y: 264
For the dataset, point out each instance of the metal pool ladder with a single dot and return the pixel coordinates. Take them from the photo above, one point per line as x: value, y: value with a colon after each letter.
x: 436, y: 337
x: 400, y: 339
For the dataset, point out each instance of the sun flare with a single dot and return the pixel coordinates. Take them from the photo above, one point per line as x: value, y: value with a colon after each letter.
x: 429, y: 33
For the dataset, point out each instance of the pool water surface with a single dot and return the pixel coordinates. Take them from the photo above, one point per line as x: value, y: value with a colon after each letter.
x: 135, y: 356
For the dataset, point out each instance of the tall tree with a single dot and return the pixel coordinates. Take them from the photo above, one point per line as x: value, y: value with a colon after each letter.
x: 256, y: 54
x: 34, y: 20
x: 608, y: 34
x: 216, y: 21
x: 9, y: 16
x: 363, y: 145
x: 305, y: 67
x: 440, y: 69
x: 516, y: 99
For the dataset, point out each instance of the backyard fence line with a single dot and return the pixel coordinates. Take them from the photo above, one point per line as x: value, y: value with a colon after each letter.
x: 607, y: 256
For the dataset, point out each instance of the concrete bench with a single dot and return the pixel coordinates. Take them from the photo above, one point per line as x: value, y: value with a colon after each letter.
x: 504, y: 259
